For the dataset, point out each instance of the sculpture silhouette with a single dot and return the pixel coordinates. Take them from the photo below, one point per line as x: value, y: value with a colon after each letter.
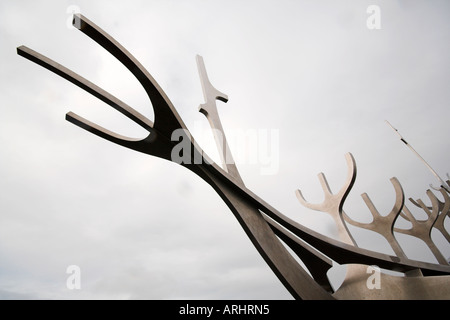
x: 268, y: 229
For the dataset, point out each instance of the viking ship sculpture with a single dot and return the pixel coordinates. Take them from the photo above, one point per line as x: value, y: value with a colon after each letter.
x: 270, y: 231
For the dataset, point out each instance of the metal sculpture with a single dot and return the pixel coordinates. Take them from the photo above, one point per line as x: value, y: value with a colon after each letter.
x: 443, y: 207
x: 422, y: 228
x: 384, y: 224
x: 268, y: 229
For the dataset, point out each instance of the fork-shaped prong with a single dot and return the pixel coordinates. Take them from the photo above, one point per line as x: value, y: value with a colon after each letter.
x: 384, y: 225
x: 422, y: 228
x: 166, y: 117
x: 333, y: 203
x: 444, y: 211
x: 85, y: 85
x: 131, y: 143
x: 142, y: 145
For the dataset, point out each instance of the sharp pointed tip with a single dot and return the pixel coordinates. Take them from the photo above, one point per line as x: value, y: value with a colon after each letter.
x: 70, y: 116
x: 78, y: 21
x: 298, y: 193
x: 21, y: 50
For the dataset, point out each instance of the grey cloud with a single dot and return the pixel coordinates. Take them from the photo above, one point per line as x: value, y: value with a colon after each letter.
x: 143, y: 228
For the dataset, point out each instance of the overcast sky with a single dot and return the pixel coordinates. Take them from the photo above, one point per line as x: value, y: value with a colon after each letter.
x: 309, y: 76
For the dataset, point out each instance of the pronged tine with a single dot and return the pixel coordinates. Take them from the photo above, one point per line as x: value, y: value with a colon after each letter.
x: 444, y: 211
x: 407, y: 215
x: 305, y: 203
x: 333, y: 203
x: 86, y: 85
x: 446, y: 203
x: 422, y: 228
x: 414, y: 202
x: 351, y: 176
x: 371, y: 206
x: 166, y: 117
x: 100, y: 131
x: 434, y: 206
x: 325, y: 185
x: 435, y: 188
x: 424, y: 208
x: 384, y: 225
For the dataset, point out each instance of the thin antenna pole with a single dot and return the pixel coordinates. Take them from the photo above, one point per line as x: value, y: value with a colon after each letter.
x: 441, y: 181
